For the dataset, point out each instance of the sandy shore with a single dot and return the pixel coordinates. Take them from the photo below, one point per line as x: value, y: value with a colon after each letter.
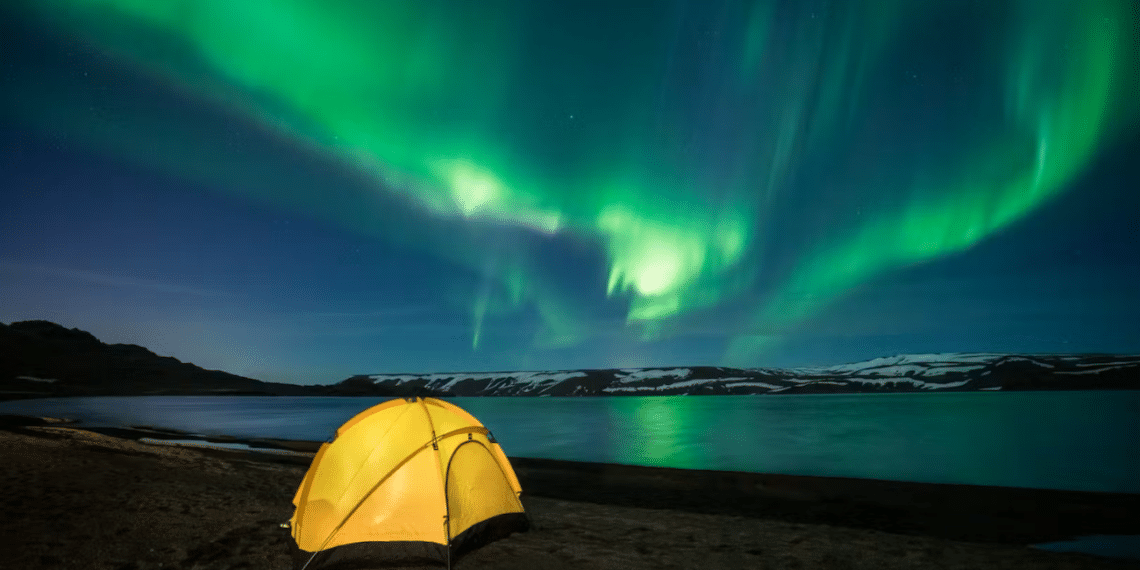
x: 79, y: 499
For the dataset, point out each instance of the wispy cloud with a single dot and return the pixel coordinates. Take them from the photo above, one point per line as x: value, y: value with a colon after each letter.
x: 109, y: 280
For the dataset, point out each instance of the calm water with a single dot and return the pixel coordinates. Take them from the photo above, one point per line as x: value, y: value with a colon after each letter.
x: 1060, y: 440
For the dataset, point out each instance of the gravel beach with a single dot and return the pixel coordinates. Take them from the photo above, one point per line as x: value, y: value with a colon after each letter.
x: 80, y: 499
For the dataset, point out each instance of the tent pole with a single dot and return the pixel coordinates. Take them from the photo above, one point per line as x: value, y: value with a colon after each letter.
x: 447, y: 530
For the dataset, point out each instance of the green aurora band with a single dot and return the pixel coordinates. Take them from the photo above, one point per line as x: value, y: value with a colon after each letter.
x: 514, y: 115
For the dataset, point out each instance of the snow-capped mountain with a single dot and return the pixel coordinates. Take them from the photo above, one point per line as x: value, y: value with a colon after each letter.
x: 40, y: 359
x: 904, y: 373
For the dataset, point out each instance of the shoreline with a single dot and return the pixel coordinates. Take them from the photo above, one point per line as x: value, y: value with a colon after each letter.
x: 228, y: 502
x: 988, y: 514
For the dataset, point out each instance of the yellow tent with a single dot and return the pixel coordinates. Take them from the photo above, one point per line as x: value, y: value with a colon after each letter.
x: 414, y: 478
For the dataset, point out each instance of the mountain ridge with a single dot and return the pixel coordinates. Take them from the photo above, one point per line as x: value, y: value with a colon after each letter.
x: 43, y: 359
x: 900, y: 373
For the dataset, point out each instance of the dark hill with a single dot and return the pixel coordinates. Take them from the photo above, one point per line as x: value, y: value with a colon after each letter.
x: 41, y: 359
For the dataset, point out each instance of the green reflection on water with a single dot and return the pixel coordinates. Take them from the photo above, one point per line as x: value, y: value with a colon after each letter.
x: 654, y: 431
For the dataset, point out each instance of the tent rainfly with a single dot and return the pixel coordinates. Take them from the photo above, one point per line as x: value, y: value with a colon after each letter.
x: 408, y: 479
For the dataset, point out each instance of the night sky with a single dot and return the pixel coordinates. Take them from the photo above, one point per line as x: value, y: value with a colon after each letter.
x: 304, y: 190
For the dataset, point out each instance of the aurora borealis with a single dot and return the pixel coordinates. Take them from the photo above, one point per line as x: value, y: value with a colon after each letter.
x: 301, y: 190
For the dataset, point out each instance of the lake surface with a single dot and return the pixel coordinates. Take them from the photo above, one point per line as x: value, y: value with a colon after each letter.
x: 1058, y: 440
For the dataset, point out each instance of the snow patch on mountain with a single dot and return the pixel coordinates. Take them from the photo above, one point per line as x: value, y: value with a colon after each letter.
x: 634, y: 375
x: 943, y: 386
x: 885, y: 381
x: 756, y: 385
x: 34, y: 379
x: 535, y: 378
x: 915, y: 361
x: 447, y: 381
x: 1096, y: 370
